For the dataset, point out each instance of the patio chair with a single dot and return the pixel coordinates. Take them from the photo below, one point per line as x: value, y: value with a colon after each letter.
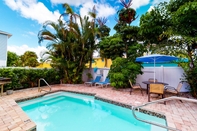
x: 156, y: 89
x: 104, y: 83
x: 152, y: 80
x: 135, y: 86
x: 173, y: 90
x: 92, y: 82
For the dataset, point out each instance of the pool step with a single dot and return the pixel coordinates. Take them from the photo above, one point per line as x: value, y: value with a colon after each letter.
x: 53, y: 100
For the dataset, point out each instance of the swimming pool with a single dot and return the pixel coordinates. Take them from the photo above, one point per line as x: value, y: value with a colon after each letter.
x: 65, y: 111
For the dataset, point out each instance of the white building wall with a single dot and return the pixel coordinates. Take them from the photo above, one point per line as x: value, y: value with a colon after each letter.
x: 3, y: 63
x: 3, y: 50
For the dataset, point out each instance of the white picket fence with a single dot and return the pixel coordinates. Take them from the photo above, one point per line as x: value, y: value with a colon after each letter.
x: 170, y: 75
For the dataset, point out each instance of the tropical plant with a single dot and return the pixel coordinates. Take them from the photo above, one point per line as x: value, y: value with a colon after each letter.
x: 29, y: 58
x: 171, y: 27
x: 126, y: 15
x: 189, y: 76
x: 103, y: 33
x: 71, y: 44
x: 12, y: 59
x: 25, y: 78
x: 123, y: 70
x: 111, y: 47
x: 154, y: 23
x: 123, y: 44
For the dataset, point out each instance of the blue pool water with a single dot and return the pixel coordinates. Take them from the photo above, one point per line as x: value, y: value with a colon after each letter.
x: 64, y: 111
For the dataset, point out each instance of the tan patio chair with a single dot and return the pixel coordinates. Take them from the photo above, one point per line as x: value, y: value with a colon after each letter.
x: 135, y: 86
x: 156, y: 89
x: 173, y: 90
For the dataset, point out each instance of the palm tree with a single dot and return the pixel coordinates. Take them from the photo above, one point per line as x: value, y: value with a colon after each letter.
x: 94, y: 32
x: 69, y: 11
x: 104, y: 32
x: 70, y: 45
x: 58, y: 48
x: 127, y: 14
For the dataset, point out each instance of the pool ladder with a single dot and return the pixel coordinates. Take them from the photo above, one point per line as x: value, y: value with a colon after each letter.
x: 161, y: 100
x: 39, y: 88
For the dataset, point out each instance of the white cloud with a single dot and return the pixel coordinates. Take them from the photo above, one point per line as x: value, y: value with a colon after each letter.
x: 31, y: 9
x: 138, y: 3
x: 20, y: 50
x: 151, y: 8
x: 29, y: 34
x: 155, y: 2
x: 71, y: 2
x: 105, y: 10
x: 34, y: 10
x: 102, y: 10
x: 32, y: 33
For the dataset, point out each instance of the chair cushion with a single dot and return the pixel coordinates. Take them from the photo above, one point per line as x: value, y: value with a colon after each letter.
x: 172, y: 91
x: 136, y: 87
x: 156, y: 88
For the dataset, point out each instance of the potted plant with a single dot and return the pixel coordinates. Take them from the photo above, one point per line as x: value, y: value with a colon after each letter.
x: 89, y: 75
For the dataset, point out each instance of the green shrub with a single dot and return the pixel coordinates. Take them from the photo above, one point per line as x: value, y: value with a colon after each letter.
x: 123, y: 70
x: 190, y: 76
x: 25, y: 78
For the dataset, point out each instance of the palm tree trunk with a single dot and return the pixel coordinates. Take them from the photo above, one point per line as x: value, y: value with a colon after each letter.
x: 105, y: 62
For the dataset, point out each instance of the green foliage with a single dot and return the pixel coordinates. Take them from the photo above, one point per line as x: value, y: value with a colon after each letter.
x: 122, y: 70
x: 172, y: 27
x: 123, y: 43
x: 10, y: 74
x: 135, y: 50
x: 103, y: 31
x: 29, y: 58
x: 71, y: 43
x: 154, y: 23
x: 111, y: 47
x: 174, y: 5
x: 89, y: 75
x: 127, y: 15
x: 25, y: 78
x: 192, y: 80
x: 184, y: 19
x: 12, y: 59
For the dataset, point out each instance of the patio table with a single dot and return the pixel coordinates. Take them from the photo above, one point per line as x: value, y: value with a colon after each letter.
x: 151, y: 82
x: 2, y: 82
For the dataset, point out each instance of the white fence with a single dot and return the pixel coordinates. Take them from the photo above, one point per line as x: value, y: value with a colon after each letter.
x: 100, y: 71
x: 170, y: 75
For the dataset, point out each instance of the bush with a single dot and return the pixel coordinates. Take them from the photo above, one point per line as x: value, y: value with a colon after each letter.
x: 25, y: 78
x: 123, y: 70
x: 191, y: 78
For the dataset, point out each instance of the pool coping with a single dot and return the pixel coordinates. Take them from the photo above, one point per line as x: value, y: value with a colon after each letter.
x: 145, y: 111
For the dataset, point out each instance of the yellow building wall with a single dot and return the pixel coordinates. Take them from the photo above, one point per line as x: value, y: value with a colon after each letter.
x: 100, y: 63
x: 44, y: 65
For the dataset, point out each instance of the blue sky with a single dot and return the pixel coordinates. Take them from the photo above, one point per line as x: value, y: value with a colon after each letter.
x: 24, y: 18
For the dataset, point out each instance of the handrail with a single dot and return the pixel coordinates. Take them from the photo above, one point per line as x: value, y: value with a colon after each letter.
x: 156, y: 101
x: 39, y: 89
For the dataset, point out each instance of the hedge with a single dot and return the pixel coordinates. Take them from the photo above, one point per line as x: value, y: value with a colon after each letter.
x: 26, y: 78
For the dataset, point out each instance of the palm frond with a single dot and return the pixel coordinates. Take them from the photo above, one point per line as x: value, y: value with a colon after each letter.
x: 126, y: 3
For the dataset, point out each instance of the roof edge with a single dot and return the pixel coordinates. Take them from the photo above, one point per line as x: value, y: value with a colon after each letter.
x: 5, y: 33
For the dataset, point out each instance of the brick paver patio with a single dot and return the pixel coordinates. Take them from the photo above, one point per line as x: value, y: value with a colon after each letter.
x: 180, y: 115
